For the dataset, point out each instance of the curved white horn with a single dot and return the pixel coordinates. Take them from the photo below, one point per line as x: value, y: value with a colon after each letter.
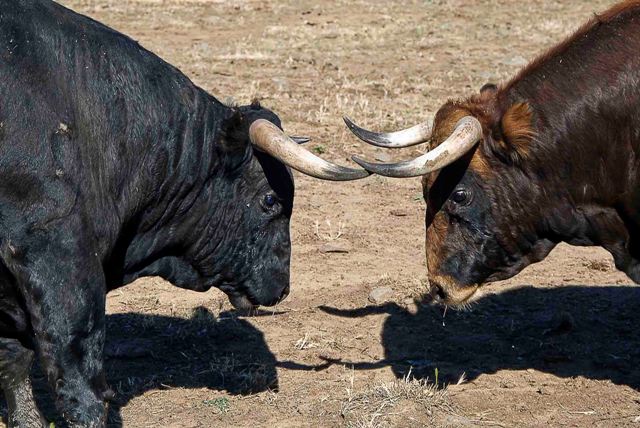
x: 417, y: 134
x: 467, y: 133
x: 269, y: 138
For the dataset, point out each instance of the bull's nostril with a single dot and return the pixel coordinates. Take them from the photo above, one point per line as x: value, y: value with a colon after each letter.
x: 284, y: 294
x: 437, y: 292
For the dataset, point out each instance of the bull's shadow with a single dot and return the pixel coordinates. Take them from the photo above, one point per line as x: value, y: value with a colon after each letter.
x: 567, y: 331
x: 153, y: 352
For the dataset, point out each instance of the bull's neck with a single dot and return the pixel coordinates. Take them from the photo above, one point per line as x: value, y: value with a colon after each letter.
x: 587, y: 144
x: 182, y: 164
x: 170, y: 176
x: 584, y: 160
x: 586, y: 103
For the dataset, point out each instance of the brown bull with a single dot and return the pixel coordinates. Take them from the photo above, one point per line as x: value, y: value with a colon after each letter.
x: 550, y: 156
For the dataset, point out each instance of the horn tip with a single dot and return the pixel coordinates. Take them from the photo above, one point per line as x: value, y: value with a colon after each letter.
x: 300, y: 140
x: 384, y: 169
x: 348, y: 121
x: 363, y: 134
x: 368, y: 166
x: 341, y: 173
x: 355, y: 129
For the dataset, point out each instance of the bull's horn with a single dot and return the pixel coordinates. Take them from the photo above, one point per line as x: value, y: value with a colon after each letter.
x: 393, y: 140
x: 467, y: 133
x: 269, y: 138
x: 300, y: 140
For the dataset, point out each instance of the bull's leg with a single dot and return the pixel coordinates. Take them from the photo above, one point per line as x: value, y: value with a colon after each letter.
x: 15, y: 365
x: 61, y: 278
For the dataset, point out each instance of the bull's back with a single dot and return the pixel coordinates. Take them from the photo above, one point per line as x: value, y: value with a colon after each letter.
x: 81, y: 104
x: 585, y: 93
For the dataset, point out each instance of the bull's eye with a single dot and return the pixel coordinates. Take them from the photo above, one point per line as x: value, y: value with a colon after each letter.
x: 461, y: 196
x: 269, y: 201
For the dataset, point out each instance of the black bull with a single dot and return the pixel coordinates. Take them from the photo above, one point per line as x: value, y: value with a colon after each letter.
x: 113, y: 166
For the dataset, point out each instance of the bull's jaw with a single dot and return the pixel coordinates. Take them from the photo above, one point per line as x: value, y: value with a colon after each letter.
x: 239, y: 300
x: 242, y: 304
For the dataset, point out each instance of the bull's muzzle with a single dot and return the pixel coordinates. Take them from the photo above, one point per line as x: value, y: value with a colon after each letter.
x: 443, y: 292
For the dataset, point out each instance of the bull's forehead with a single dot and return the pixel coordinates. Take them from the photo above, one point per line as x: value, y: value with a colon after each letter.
x: 484, y: 107
x: 445, y: 122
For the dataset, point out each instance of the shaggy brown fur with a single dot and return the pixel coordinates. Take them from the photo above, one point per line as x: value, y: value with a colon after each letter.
x: 559, y: 161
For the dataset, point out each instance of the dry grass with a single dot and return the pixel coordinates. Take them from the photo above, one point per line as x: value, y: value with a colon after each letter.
x: 376, y: 406
x: 330, y: 231
x: 305, y: 342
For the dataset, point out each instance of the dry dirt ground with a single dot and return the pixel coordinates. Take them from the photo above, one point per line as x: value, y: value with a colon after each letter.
x: 557, y: 345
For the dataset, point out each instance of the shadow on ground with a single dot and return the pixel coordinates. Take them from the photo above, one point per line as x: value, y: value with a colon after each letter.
x: 566, y: 331
x: 153, y: 352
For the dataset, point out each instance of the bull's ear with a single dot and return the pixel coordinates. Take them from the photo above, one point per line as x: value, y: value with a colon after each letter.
x: 488, y: 89
x: 513, y: 135
x: 233, y: 142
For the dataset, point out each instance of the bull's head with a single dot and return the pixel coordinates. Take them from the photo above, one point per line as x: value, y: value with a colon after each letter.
x: 483, y: 212
x: 248, y: 255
